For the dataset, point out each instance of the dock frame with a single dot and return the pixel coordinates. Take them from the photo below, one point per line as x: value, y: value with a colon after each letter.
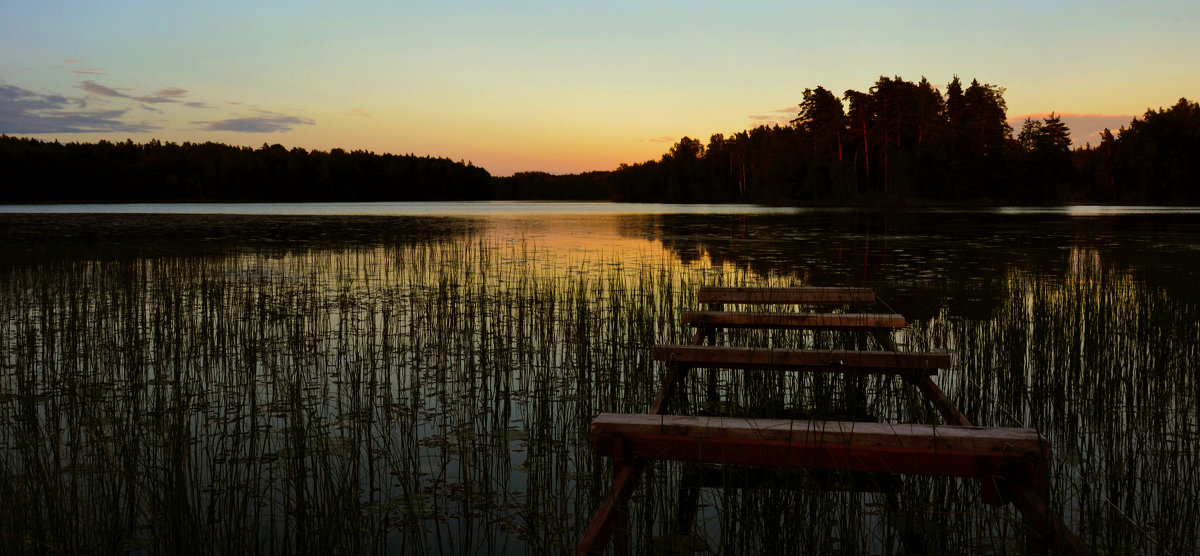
x: 1010, y: 463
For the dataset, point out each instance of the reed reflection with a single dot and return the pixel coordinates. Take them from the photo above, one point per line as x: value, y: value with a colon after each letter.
x: 400, y: 388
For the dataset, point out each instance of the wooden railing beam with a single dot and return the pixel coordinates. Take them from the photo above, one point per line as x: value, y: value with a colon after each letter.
x: 838, y: 361
x: 786, y: 296
x: 874, y: 447
x: 794, y: 321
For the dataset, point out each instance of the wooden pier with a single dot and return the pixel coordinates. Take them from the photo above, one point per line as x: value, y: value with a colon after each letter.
x: 1010, y: 463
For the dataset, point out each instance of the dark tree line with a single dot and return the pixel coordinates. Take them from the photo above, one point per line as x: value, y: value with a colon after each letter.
x: 38, y: 171
x: 1154, y: 160
x: 588, y: 186
x: 907, y: 143
x: 899, y: 142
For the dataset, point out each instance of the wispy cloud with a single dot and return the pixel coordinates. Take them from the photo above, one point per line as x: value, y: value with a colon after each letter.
x: 100, y: 90
x: 778, y: 116
x: 81, y: 71
x: 662, y: 139
x: 169, y: 94
x: 161, y: 96
x: 24, y: 111
x: 154, y: 99
x: 113, y: 109
x: 263, y: 122
x: 360, y: 113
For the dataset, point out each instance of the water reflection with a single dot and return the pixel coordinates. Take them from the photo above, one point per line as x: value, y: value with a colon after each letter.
x: 418, y: 385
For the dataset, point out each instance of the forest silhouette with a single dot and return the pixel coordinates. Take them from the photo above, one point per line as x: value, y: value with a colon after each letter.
x: 898, y: 143
x: 168, y: 172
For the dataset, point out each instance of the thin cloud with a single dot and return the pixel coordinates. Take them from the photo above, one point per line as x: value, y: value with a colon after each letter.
x: 100, y: 90
x: 13, y: 98
x: 662, y: 139
x: 779, y: 115
x: 264, y: 122
x: 24, y: 111
x: 88, y: 71
x: 72, y: 61
x: 360, y: 113
x: 154, y: 99
x: 169, y: 94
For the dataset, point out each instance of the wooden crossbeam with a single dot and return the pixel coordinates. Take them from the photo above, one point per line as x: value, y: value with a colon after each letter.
x: 848, y: 446
x: 794, y: 321
x: 839, y: 361
x: 786, y: 296
x: 611, y: 513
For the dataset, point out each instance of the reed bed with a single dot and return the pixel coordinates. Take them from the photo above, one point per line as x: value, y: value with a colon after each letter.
x: 435, y: 396
x: 1108, y: 370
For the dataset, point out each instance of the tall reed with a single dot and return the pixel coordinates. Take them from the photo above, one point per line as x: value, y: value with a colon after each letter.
x: 434, y: 397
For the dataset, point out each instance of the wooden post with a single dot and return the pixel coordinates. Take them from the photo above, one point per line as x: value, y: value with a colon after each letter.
x: 613, y: 511
x: 621, y: 511
x: 689, y: 500
x: 713, y: 398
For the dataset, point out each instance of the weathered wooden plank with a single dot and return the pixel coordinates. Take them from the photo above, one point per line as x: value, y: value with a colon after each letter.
x: 848, y: 446
x: 1047, y: 526
x: 675, y: 375
x: 611, y: 511
x: 840, y: 361
x: 939, y: 400
x: 786, y: 296
x: 793, y: 321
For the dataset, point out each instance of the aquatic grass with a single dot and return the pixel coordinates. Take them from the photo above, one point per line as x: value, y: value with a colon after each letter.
x: 434, y: 397
x: 1105, y: 368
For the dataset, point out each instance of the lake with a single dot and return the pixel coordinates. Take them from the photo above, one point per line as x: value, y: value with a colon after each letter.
x: 419, y: 378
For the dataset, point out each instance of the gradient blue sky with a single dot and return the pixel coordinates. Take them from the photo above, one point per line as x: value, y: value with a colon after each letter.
x: 561, y: 87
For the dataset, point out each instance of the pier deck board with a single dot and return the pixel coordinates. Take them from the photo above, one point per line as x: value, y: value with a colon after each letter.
x: 786, y: 296
x: 840, y: 361
x: 848, y: 446
x: 794, y: 321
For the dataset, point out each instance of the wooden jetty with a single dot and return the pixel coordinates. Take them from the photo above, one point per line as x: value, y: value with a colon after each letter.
x: 1009, y: 462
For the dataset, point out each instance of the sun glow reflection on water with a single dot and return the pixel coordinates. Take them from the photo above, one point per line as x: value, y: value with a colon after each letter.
x: 434, y: 375
x: 440, y: 208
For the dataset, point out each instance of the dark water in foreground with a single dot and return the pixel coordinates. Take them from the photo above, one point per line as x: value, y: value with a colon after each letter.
x: 339, y: 381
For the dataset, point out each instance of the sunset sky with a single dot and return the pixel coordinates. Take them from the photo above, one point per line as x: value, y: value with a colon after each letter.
x: 556, y: 86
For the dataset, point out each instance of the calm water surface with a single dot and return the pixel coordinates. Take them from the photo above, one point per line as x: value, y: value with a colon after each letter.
x: 419, y: 378
x: 441, y: 208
